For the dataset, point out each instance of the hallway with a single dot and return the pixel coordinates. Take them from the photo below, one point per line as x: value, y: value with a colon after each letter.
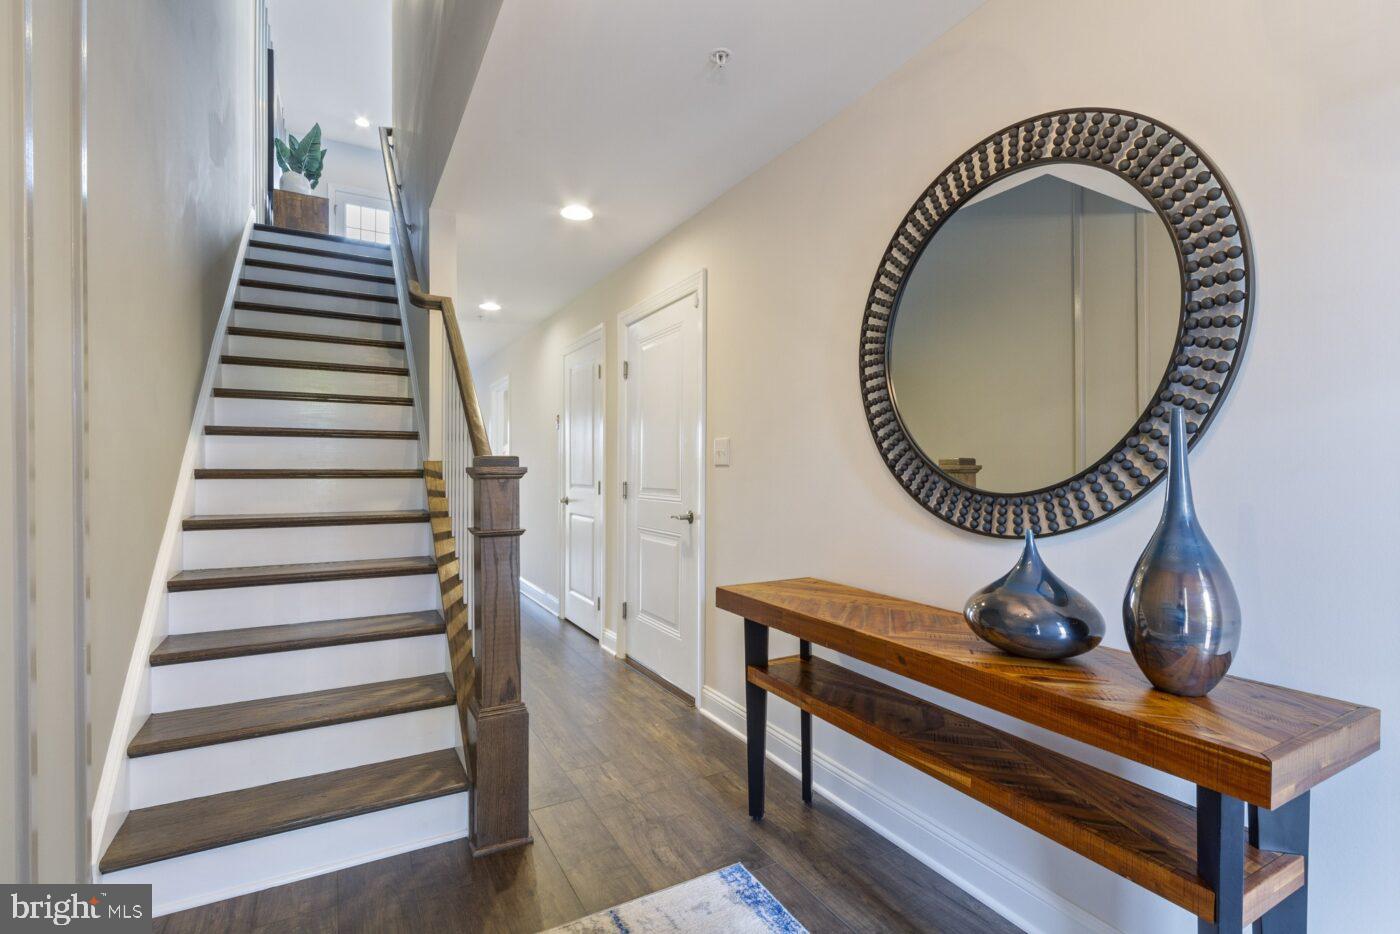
x: 631, y: 791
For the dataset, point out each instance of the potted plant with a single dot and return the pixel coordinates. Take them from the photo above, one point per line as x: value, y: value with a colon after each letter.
x: 300, y: 160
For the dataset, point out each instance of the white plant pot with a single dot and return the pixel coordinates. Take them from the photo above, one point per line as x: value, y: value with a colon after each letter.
x: 294, y: 181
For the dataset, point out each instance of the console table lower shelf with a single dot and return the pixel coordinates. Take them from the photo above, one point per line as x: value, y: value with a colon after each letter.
x: 1136, y: 832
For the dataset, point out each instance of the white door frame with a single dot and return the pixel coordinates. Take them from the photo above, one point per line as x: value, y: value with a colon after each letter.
x: 335, y: 192
x: 501, y: 444
x: 694, y: 283
x: 596, y: 333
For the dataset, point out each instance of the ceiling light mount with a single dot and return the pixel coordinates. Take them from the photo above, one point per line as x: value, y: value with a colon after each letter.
x: 720, y: 57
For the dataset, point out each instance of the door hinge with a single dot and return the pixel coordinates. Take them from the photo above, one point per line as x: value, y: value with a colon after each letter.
x: 624, y: 609
x: 624, y: 489
x: 624, y: 369
x: 598, y: 603
x: 600, y: 487
x: 600, y: 371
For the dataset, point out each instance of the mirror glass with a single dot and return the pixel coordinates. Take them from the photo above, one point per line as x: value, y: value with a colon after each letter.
x: 1035, y: 327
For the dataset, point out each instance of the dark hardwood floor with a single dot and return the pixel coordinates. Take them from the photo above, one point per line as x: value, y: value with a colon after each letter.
x: 631, y: 791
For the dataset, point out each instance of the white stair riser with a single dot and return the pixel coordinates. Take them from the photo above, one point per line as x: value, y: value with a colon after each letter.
x: 284, y: 349
x: 317, y: 279
x: 276, y: 674
x: 273, y: 296
x: 285, y: 413
x: 293, y: 379
x: 211, y: 770
x: 241, y: 548
x: 310, y: 324
x: 325, y: 262
x: 280, y: 604
x: 251, y: 497
x: 213, y: 875
x: 271, y: 451
x: 350, y: 247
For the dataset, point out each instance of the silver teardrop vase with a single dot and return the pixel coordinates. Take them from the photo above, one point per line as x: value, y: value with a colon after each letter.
x: 1180, y: 611
x: 1032, y: 613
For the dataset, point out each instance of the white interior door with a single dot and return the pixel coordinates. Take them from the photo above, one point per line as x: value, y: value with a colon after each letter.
x: 664, y: 409
x: 582, y: 454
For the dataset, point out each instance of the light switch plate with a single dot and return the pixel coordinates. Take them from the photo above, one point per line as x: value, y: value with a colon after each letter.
x: 721, y: 452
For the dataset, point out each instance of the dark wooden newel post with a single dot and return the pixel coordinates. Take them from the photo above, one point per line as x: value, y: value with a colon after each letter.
x: 500, y: 745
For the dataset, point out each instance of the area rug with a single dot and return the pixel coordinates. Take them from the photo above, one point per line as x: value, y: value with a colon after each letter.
x: 729, y: 900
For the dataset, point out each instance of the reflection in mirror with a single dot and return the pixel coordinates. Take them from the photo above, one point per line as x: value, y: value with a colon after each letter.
x: 1035, y: 327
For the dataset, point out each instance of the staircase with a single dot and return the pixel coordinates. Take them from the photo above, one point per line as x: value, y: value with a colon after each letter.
x: 303, y: 714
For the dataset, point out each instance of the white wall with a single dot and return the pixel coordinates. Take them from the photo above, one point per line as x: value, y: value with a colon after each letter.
x: 1294, y: 103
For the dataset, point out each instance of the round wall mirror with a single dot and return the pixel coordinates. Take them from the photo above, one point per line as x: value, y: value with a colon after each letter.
x: 1043, y: 305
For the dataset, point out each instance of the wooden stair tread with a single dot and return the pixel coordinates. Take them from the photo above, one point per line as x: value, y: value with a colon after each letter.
x: 268, y: 716
x: 328, y: 365
x: 283, y: 395
x: 307, y: 473
x: 240, y: 331
x: 262, y: 640
x: 264, y: 575
x: 336, y: 238
x: 277, y: 431
x: 183, y: 827
x: 316, y: 290
x: 301, y: 520
x: 319, y: 271
x: 313, y: 251
x: 1136, y: 832
x: 317, y: 313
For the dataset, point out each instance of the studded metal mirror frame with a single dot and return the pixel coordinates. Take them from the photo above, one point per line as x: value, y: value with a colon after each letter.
x: 1217, y: 273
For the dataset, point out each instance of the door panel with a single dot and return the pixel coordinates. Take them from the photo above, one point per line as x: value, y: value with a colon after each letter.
x: 664, y: 438
x: 581, y: 425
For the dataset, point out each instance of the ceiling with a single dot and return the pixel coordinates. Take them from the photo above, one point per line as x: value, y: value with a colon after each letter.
x: 332, y: 64
x: 616, y: 104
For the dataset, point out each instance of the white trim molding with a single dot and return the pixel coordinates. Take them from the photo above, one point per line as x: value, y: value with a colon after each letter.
x: 597, y: 333
x: 540, y: 597
x: 1022, y: 901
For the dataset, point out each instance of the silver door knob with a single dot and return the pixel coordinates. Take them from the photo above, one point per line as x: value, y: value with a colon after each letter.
x: 687, y: 516
x: 564, y: 500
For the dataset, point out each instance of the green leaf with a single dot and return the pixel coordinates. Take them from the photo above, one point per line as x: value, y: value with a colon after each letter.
x: 279, y: 148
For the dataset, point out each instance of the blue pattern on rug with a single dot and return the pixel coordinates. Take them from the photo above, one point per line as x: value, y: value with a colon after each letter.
x: 752, y: 893
x: 730, y: 900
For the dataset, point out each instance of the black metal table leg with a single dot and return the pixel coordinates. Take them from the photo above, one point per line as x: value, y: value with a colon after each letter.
x: 804, y: 650
x: 1220, y: 857
x: 1284, y: 830
x: 756, y: 713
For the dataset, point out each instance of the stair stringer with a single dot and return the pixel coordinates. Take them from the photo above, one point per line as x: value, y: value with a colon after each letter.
x: 454, y: 605
x: 111, y: 803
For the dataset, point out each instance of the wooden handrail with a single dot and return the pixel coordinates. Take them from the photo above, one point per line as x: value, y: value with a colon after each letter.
x: 476, y: 427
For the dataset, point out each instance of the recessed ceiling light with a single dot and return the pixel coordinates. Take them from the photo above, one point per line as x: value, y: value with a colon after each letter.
x: 489, y: 306
x: 576, y: 212
x: 362, y: 122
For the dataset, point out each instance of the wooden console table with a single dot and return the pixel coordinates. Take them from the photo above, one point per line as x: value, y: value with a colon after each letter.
x: 1246, y: 744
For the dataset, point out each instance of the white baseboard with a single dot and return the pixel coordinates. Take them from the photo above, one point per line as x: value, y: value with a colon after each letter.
x: 1022, y: 901
x: 609, y: 641
x: 540, y: 597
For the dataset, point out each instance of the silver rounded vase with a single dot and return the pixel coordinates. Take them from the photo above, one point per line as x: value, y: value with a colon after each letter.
x: 1032, y: 613
x: 1180, y: 611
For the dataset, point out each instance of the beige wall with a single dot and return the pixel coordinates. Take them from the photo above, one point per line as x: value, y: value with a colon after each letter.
x: 127, y: 279
x: 1290, y: 103
x: 437, y: 49
x: 162, y: 237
